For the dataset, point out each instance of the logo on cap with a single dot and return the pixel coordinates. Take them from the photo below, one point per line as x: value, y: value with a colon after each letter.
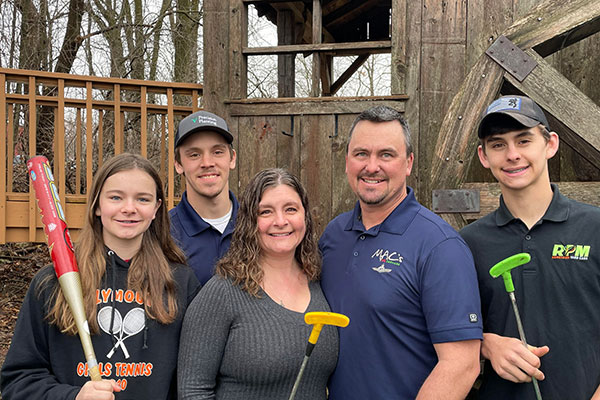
x: 504, y: 103
x: 202, y: 119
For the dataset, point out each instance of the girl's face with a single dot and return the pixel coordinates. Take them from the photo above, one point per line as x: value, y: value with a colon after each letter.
x: 127, y: 205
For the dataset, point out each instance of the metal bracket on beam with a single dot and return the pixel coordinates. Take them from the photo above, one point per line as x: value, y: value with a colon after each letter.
x: 510, y: 57
x: 455, y: 201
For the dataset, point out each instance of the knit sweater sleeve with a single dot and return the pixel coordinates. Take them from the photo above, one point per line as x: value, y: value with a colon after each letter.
x: 27, y: 370
x: 203, y: 338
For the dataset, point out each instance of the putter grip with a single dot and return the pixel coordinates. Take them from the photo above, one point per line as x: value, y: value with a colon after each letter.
x: 61, y: 251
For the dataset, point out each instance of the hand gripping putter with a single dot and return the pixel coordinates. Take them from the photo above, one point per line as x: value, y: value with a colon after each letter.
x: 317, y: 320
x: 503, y: 268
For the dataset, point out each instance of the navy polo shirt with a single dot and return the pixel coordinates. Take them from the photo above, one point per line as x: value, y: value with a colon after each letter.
x: 558, y: 294
x: 202, y: 244
x: 405, y: 284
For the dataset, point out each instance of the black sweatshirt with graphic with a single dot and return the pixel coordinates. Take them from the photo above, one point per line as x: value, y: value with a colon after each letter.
x: 136, y: 351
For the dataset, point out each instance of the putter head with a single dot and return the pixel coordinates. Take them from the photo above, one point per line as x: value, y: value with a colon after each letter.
x: 319, y: 318
x: 505, y: 266
x: 326, y: 318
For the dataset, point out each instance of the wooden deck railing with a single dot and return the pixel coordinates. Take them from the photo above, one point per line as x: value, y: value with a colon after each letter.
x: 92, y: 119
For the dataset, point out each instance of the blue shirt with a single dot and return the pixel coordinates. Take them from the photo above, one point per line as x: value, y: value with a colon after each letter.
x: 405, y: 284
x: 202, y: 244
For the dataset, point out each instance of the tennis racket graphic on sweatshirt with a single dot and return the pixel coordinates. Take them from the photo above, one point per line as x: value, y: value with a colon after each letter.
x: 133, y: 323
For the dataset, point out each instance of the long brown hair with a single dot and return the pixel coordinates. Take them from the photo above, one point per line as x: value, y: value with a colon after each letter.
x: 149, y: 272
x: 240, y: 264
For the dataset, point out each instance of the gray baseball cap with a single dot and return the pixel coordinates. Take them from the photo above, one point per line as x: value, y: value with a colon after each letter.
x: 520, y: 108
x: 202, y: 121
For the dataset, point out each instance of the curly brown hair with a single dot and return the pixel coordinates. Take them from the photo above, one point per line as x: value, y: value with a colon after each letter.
x: 241, y: 263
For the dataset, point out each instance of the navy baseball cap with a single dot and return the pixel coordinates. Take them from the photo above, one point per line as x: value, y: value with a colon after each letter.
x: 202, y: 121
x: 520, y: 108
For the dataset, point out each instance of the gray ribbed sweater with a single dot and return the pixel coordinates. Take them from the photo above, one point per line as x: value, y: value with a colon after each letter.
x: 236, y: 346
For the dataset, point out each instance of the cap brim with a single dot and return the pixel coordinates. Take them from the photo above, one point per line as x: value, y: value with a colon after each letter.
x: 520, y: 118
x: 226, y: 135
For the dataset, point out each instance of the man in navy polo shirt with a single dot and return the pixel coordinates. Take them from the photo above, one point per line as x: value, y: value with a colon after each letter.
x: 404, y: 277
x: 203, y: 221
x: 558, y: 291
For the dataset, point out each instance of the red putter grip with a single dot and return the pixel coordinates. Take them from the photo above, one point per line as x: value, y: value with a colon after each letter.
x: 53, y: 216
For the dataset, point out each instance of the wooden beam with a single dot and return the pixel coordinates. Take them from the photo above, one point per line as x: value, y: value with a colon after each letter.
x: 399, y: 44
x: 144, y: 122
x: 51, y: 79
x: 238, y: 39
x: 457, y: 140
x: 566, y: 103
x: 326, y: 74
x: 552, y: 22
x: 317, y: 32
x: 78, y: 149
x: 96, y: 104
x: 312, y: 105
x: 89, y: 138
x: 170, y: 152
x: 382, y: 46
x: 4, y: 151
x: 286, y: 73
x: 356, y: 64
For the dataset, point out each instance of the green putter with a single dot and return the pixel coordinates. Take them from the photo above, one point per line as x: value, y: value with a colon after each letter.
x: 503, y: 268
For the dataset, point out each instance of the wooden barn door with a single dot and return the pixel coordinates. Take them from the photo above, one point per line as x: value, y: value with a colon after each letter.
x: 311, y: 146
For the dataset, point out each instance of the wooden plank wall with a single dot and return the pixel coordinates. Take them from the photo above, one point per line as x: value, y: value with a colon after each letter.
x: 453, y: 36
x: 443, y: 44
x: 314, y: 150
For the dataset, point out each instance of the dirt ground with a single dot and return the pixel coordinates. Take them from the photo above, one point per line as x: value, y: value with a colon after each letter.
x: 18, y: 264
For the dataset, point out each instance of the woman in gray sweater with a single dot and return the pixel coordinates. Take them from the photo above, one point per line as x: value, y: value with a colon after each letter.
x: 244, y: 335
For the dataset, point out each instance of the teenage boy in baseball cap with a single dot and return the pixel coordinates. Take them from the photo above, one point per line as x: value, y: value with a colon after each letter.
x: 559, y: 290
x: 202, y: 223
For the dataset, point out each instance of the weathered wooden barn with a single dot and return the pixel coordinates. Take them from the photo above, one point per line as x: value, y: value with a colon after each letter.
x: 438, y: 49
x: 441, y: 78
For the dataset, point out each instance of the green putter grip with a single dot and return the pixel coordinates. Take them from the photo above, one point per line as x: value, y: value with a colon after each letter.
x: 505, y: 266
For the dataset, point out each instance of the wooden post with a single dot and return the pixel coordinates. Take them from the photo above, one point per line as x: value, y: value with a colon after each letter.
x: 100, y: 138
x: 144, y: 122
x: 238, y: 39
x: 3, y: 135
x: 163, y: 149
x: 59, y: 158
x: 118, y: 129
x: 89, y: 138
x: 399, y: 44
x: 317, y: 32
x: 78, y: 143
x: 10, y: 145
x: 443, y: 47
x: 217, y: 68
x: 286, y: 73
x: 33, y: 209
x: 326, y: 74
x: 171, y: 150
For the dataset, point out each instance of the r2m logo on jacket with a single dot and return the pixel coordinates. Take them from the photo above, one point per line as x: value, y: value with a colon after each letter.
x: 571, y: 252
